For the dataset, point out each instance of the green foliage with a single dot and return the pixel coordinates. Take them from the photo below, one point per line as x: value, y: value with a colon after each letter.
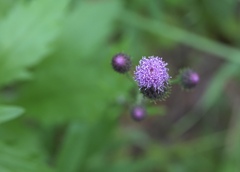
x: 37, y: 27
x: 21, y: 148
x: 22, y: 161
x: 77, y: 80
x: 217, y: 85
x: 9, y: 112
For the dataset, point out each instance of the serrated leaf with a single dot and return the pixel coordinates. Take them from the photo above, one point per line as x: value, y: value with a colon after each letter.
x: 8, y: 113
x: 22, y: 160
x: 69, y: 85
x: 25, y: 35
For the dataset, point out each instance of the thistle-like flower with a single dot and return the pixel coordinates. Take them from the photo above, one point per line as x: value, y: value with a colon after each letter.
x: 189, y: 79
x: 152, y: 78
x: 138, y: 113
x: 121, y: 63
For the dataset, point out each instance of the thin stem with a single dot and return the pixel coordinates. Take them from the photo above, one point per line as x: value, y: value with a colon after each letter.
x: 129, y: 77
x: 174, y: 81
x: 139, y: 99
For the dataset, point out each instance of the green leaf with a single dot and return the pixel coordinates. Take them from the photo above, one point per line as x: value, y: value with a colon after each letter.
x: 88, y: 146
x: 83, y: 141
x: 69, y: 85
x: 8, y: 113
x: 21, y: 148
x: 5, y: 5
x: 25, y: 162
x: 215, y: 12
x: 25, y: 35
x: 231, y: 156
x: 160, y: 28
x: 87, y: 27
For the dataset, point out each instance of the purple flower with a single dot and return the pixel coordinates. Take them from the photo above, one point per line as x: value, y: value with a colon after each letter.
x: 138, y: 113
x: 121, y: 63
x: 152, y: 77
x: 189, y: 78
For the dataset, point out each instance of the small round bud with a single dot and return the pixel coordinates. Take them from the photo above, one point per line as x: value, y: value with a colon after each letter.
x: 189, y: 79
x: 121, y: 63
x: 138, y: 113
x: 152, y: 78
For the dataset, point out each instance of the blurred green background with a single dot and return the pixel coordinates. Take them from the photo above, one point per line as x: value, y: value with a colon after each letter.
x: 63, y: 108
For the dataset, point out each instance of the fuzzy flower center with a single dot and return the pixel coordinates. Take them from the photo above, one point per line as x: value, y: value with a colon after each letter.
x: 152, y: 73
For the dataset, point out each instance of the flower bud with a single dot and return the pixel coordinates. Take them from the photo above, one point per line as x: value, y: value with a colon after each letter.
x: 121, y: 63
x: 138, y: 113
x: 189, y: 79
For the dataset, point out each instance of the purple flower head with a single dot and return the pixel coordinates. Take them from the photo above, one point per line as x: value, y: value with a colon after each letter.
x: 152, y: 77
x: 138, y: 113
x: 121, y: 63
x: 189, y: 78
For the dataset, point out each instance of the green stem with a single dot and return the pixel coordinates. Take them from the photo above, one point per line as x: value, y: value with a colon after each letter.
x: 174, y: 81
x: 139, y: 99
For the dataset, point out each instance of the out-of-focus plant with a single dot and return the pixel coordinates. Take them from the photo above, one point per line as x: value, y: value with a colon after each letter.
x: 61, y: 105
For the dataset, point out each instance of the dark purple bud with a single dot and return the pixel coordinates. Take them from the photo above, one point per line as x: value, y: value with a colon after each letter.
x: 189, y: 79
x: 121, y: 63
x: 138, y: 113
